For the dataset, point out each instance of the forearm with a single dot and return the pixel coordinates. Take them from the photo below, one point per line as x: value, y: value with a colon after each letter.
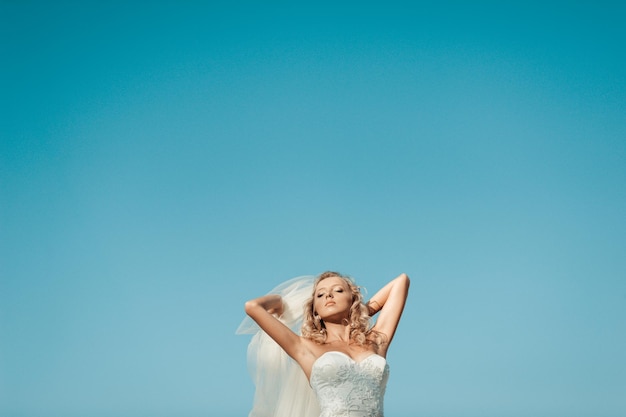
x: 272, y: 303
x: 377, y: 302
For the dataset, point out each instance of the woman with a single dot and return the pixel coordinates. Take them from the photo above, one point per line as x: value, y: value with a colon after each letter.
x: 341, y: 357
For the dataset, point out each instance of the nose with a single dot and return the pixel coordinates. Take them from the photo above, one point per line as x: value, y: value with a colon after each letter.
x: 329, y: 295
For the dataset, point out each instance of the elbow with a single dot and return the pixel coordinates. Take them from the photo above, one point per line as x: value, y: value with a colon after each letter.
x: 249, y: 306
x: 405, y: 279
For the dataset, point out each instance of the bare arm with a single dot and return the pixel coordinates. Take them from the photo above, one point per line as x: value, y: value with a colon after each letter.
x: 264, y: 311
x: 389, y: 301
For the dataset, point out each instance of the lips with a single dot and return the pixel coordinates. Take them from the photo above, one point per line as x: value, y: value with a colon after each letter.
x: 330, y: 303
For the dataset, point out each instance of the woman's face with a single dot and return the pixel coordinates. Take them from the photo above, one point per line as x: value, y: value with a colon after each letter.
x: 332, y: 297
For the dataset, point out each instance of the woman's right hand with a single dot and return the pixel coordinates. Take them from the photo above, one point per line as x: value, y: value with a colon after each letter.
x: 272, y: 303
x: 277, y: 310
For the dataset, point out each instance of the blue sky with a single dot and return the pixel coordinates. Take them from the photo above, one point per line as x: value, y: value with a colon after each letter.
x: 161, y: 163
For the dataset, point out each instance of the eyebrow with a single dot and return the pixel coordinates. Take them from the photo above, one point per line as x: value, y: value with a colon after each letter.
x: 323, y: 288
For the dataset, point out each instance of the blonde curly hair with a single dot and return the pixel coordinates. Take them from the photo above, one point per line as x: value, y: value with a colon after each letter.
x: 361, y: 332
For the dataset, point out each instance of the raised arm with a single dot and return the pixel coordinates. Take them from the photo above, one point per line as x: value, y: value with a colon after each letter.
x: 389, y: 303
x: 264, y: 311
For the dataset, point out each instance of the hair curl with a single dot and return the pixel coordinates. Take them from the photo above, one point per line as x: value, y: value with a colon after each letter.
x: 361, y: 332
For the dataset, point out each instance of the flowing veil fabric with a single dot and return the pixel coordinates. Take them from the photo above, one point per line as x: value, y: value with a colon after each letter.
x: 282, y: 389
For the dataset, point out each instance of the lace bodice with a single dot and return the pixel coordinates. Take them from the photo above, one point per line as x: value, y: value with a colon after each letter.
x: 346, y: 388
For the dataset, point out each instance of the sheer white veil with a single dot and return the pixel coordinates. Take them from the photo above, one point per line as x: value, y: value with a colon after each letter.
x: 282, y: 389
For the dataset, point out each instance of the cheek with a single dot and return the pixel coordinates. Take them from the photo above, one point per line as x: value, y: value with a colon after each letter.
x: 351, y: 299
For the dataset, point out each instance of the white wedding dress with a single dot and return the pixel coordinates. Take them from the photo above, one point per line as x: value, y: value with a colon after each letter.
x: 347, y: 388
x: 339, y: 386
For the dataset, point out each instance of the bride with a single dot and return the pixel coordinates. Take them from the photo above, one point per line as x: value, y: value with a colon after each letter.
x: 342, y: 368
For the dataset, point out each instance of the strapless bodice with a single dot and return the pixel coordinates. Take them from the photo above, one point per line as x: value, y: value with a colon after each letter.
x: 347, y: 388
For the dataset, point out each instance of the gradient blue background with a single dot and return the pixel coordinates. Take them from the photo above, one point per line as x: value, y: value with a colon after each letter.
x: 163, y: 162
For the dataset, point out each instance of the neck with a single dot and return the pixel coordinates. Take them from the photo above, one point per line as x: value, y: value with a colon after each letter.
x: 337, y: 333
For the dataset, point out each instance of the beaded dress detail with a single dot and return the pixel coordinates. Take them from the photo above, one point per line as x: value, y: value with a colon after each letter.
x: 347, y: 388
